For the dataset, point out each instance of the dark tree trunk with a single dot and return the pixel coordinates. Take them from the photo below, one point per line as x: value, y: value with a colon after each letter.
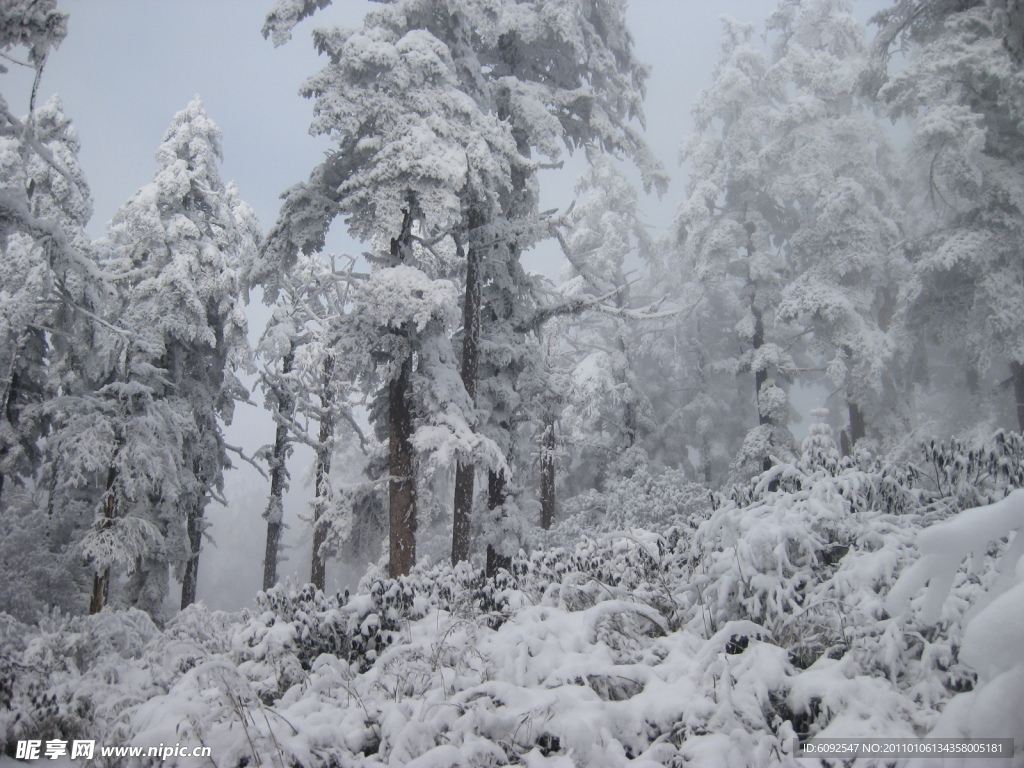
x: 629, y: 416
x: 278, y: 479
x: 100, y: 589
x: 402, y: 487
x: 547, y: 473
x: 495, y: 498
x: 1014, y: 38
x: 465, y: 472
x: 195, y: 540
x: 858, y: 427
x: 465, y: 481
x: 318, y: 568
x: 9, y: 411
x: 761, y: 375
x: 1017, y: 371
x: 973, y: 380
x: 101, y: 579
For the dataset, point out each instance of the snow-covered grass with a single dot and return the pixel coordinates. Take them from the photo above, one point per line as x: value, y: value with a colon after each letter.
x: 715, y: 638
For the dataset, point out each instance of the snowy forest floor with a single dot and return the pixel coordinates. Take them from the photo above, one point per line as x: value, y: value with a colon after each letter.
x: 657, y: 628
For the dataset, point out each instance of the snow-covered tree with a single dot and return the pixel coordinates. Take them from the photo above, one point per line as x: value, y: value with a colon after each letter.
x: 278, y: 347
x: 51, y: 341
x: 964, y: 88
x: 44, y: 203
x: 44, y: 287
x: 539, y: 79
x: 607, y: 244
x: 838, y: 174
x: 793, y: 224
x: 733, y: 224
x: 409, y: 143
x: 154, y: 429
x: 310, y: 403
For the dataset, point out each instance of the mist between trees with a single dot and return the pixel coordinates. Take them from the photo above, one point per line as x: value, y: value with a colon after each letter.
x: 462, y: 410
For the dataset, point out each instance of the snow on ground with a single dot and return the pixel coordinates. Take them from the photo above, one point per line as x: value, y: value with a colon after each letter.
x: 716, y: 639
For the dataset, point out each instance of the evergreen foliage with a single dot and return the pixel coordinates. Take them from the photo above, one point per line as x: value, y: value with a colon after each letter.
x: 592, y: 536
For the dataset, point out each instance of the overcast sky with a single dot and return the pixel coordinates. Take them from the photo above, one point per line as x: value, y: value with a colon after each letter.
x: 128, y: 65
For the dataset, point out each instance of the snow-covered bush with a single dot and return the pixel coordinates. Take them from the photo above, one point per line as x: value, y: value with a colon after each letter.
x: 636, y: 497
x: 993, y: 631
x: 717, y: 638
x: 69, y: 678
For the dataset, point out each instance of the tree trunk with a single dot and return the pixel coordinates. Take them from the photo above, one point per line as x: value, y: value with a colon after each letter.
x: 9, y: 411
x: 629, y: 415
x: 465, y: 472
x: 100, y: 589
x: 278, y: 479
x: 402, y: 486
x: 495, y: 498
x: 547, y: 473
x: 760, y: 377
x: 101, y: 579
x: 465, y: 481
x: 1014, y: 38
x: 195, y: 540
x: 318, y: 568
x: 858, y: 427
x: 705, y: 460
x: 1017, y: 371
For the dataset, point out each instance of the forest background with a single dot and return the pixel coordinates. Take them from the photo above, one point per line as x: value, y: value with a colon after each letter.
x: 745, y: 473
x: 126, y: 68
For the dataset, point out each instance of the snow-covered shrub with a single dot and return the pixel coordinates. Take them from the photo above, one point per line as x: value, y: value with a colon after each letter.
x: 993, y: 635
x: 73, y: 677
x: 638, y: 497
x: 717, y: 638
x: 801, y: 548
x: 290, y: 629
x: 960, y: 476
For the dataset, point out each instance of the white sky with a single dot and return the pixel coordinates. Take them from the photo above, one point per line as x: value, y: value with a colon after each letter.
x: 128, y: 65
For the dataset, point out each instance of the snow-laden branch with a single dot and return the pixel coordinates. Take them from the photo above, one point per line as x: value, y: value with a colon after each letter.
x: 24, y: 131
x: 247, y: 459
x: 571, y: 307
x: 650, y: 312
x: 944, y: 546
x: 13, y: 60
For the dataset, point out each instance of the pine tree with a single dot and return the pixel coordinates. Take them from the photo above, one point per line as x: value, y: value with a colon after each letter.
x: 181, y: 242
x: 278, y: 347
x: 607, y: 243
x: 51, y: 289
x: 733, y: 225
x: 45, y: 285
x: 408, y: 143
x: 837, y: 173
x: 44, y: 203
x: 309, y: 403
x: 509, y: 62
x: 964, y: 89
